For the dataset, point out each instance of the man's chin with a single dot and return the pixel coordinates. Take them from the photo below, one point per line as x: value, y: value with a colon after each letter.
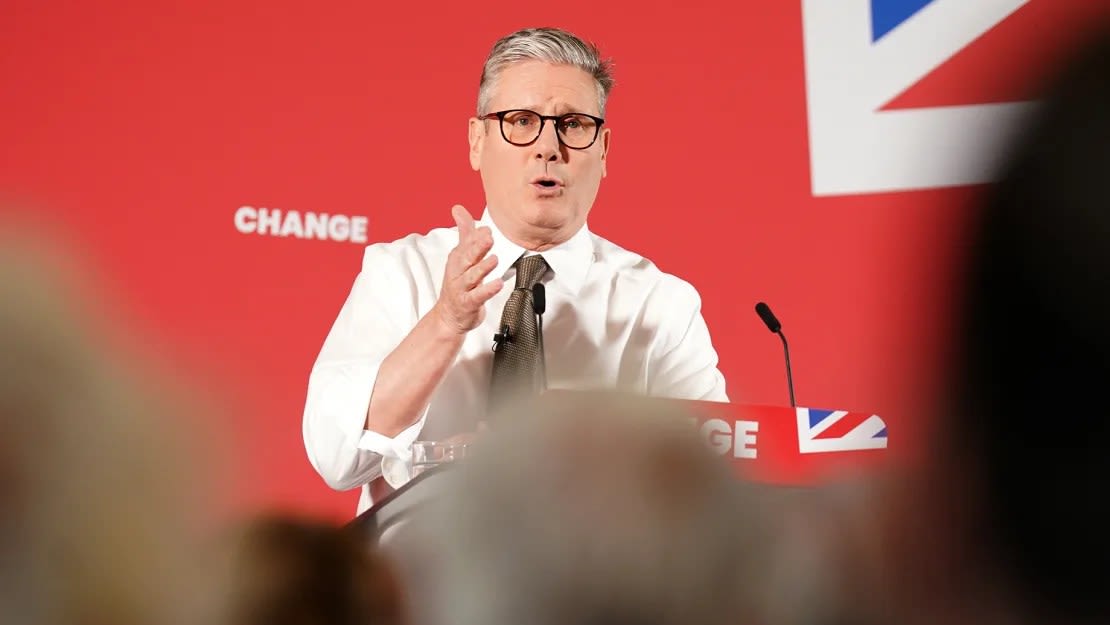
x: 543, y: 217
x: 549, y: 214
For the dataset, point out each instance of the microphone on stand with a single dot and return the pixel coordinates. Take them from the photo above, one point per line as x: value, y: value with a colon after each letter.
x: 768, y: 317
x: 539, y: 304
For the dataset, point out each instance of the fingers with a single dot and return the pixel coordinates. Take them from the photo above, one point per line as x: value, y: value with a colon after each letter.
x: 463, y: 294
x: 474, y: 242
x: 480, y: 244
x: 463, y: 220
x: 468, y: 255
x: 483, y: 292
x: 473, y: 276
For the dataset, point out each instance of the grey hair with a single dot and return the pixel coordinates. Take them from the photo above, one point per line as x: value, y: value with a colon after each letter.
x: 594, y: 509
x: 551, y: 45
x: 63, y: 395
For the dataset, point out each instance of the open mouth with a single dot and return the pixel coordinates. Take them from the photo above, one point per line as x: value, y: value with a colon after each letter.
x: 547, y: 182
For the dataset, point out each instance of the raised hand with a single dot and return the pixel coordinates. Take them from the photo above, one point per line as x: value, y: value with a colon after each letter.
x: 461, y: 304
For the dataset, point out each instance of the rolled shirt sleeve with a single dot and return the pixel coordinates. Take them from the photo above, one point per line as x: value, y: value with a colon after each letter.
x: 378, y: 313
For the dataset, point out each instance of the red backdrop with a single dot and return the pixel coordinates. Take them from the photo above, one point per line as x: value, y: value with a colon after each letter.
x: 136, y: 130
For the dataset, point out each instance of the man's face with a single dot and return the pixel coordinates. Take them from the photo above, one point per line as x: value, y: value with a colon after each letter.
x: 539, y: 194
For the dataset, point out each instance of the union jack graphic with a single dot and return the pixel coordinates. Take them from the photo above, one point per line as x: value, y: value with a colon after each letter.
x: 822, y: 431
x: 860, y: 56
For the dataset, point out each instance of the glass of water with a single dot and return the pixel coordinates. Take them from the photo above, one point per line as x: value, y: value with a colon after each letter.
x: 429, y: 454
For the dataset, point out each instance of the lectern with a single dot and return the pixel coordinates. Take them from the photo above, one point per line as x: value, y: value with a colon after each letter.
x: 775, y: 445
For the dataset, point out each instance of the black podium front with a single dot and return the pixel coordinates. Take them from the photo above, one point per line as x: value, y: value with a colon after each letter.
x: 385, y: 516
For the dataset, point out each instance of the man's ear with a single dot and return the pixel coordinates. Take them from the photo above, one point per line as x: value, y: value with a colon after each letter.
x: 604, y: 138
x: 477, y: 136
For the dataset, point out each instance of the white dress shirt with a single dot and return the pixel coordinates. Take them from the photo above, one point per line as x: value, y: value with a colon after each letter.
x: 613, y: 321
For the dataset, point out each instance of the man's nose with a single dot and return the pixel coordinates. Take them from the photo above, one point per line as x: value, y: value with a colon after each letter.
x: 547, y: 145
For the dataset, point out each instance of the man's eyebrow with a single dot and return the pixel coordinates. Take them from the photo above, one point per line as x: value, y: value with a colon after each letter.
x: 570, y: 110
x: 559, y: 110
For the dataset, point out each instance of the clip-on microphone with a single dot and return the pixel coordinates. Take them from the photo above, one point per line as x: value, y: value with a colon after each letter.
x: 502, y: 337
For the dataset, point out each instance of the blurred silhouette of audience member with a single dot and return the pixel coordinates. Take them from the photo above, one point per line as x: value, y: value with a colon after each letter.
x: 94, y: 524
x: 593, y: 508
x: 1036, y: 341
x: 1006, y: 524
x: 285, y: 570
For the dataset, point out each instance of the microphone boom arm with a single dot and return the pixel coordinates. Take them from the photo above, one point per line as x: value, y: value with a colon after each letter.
x: 772, y: 323
x: 789, y: 374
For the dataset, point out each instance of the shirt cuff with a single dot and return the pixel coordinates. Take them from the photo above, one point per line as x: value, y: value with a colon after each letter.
x: 396, y: 452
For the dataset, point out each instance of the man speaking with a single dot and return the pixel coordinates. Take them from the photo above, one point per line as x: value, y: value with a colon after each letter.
x: 411, y: 354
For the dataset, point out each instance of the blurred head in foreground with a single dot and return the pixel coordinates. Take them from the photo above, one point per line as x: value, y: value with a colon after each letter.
x: 1036, y: 340
x: 284, y: 570
x: 94, y: 526
x: 1013, y: 521
x: 597, y: 509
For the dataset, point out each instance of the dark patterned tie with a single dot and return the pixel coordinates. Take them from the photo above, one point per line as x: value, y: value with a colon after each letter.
x: 516, y: 359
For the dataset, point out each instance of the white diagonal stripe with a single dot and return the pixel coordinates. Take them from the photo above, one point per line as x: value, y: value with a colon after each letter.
x: 924, y: 42
x: 826, y: 423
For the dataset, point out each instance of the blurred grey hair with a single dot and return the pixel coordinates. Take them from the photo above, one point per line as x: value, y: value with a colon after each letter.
x: 95, y: 493
x: 595, y: 509
x: 550, y: 45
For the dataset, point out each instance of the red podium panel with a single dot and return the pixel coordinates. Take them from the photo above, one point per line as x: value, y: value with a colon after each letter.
x: 777, y: 445
x: 792, y: 446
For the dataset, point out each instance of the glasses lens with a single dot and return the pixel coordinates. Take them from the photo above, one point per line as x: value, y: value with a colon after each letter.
x: 577, y: 131
x: 520, y: 127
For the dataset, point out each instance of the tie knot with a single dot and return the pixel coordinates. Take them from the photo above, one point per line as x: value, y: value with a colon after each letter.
x: 529, y: 270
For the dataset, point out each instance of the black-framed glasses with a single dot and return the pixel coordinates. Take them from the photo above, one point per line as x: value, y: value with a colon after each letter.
x: 577, y: 131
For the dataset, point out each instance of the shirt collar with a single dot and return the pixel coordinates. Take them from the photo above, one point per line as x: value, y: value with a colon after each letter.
x: 569, y: 261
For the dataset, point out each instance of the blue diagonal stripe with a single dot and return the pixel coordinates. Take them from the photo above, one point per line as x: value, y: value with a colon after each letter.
x: 888, y: 14
x: 817, y: 416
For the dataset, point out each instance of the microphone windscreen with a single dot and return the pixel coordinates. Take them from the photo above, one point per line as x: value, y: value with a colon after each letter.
x: 768, y: 317
x: 539, y: 298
